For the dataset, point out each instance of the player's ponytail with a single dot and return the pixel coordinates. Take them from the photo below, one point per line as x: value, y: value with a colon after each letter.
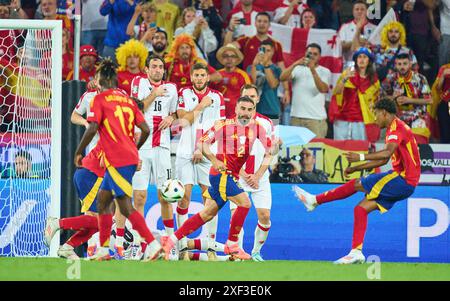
x: 107, y: 74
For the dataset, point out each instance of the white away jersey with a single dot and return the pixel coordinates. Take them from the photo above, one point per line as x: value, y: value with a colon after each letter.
x: 294, y: 19
x: 161, y: 107
x: 258, y: 151
x: 188, y: 99
x: 347, y: 33
x: 83, y: 108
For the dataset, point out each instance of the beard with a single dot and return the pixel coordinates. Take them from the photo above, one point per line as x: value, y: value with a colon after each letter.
x: 200, y: 88
x: 243, y: 120
x: 159, y: 47
x: 394, y: 40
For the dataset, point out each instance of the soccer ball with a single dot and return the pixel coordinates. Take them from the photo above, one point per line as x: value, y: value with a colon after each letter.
x: 172, y: 191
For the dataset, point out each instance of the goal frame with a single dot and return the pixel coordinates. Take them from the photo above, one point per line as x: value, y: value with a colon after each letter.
x: 56, y: 91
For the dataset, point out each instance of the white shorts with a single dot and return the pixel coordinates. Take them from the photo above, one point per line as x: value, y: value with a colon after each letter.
x: 194, y: 174
x: 261, y: 198
x: 156, y: 166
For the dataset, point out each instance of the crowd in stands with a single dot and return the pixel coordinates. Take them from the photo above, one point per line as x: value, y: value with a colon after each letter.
x: 411, y: 63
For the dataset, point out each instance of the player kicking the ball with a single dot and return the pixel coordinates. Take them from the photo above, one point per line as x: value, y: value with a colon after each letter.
x: 160, y: 103
x: 235, y: 139
x: 114, y: 115
x: 382, y: 190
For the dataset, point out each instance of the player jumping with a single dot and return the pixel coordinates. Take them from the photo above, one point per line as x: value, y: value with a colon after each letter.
x: 235, y: 139
x: 382, y: 190
x: 114, y: 115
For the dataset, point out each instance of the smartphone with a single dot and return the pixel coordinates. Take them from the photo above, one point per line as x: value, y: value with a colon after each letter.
x: 198, y: 13
x: 152, y: 25
x: 243, y: 21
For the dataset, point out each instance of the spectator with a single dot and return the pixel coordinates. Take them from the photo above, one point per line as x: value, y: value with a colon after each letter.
x: 7, y: 36
x: 131, y: 58
x: 119, y: 14
x: 412, y: 94
x: 210, y: 13
x: 241, y: 20
x: 444, y: 46
x: 93, y: 25
x: 67, y: 56
x: 441, y: 98
x: 179, y: 60
x: 233, y: 78
x: 309, y: 173
x: 393, y: 42
x: 289, y: 12
x: 308, y: 19
x: 310, y: 83
x: 287, y: 170
x: 143, y: 32
x: 15, y: 9
x: 198, y: 28
x: 415, y: 16
x: 167, y: 17
x: 49, y: 10
x: 88, y: 58
x: 356, y: 91
x: 356, y: 31
x: 266, y: 76
x: 159, y: 43
x: 22, y: 165
x: 326, y: 12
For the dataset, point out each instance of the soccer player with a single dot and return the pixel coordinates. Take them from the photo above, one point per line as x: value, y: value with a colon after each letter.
x: 87, y: 180
x: 382, y: 190
x: 160, y: 104
x: 235, y: 139
x: 254, y: 179
x: 114, y: 115
x: 198, y: 108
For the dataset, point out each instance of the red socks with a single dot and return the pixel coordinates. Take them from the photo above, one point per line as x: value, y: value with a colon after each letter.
x: 237, y: 221
x: 138, y: 223
x: 189, y: 226
x: 79, y: 222
x: 81, y: 237
x: 338, y: 193
x: 104, y: 226
x: 359, y: 227
x: 168, y: 223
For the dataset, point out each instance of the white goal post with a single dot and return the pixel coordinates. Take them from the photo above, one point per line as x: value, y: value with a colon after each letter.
x: 21, y: 230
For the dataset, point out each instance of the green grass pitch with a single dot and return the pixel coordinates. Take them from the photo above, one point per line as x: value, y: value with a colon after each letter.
x: 57, y: 269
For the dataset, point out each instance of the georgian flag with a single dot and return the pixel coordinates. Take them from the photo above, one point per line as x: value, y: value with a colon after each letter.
x: 295, y: 40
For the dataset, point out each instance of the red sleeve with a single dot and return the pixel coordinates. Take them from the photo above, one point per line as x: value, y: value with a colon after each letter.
x: 96, y: 110
x: 210, y: 135
x: 261, y: 135
x: 394, y: 137
x: 278, y: 57
x: 135, y: 86
x: 211, y: 70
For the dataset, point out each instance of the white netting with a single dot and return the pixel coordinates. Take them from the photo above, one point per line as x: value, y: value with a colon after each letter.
x: 25, y: 136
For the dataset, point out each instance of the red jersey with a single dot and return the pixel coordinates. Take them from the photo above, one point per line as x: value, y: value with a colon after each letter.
x: 179, y: 72
x: 230, y: 86
x: 83, y: 75
x: 67, y: 65
x: 116, y: 115
x: 92, y: 161
x: 406, y: 158
x: 235, y: 142
x: 250, y: 47
x: 125, y: 78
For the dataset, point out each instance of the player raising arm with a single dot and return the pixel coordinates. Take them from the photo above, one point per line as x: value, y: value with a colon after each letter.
x: 382, y: 190
x: 114, y: 115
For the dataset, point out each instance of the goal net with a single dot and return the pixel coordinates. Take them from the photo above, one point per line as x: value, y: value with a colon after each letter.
x: 30, y: 127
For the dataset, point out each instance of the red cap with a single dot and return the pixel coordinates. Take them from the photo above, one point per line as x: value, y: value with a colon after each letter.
x: 87, y: 50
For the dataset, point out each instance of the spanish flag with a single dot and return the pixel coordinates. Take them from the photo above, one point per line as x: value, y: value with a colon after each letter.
x: 367, y: 94
x: 437, y: 95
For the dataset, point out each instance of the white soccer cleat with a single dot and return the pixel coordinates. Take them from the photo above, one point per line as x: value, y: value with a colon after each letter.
x: 355, y: 256
x: 153, y: 251
x: 66, y: 251
x: 101, y: 254
x: 306, y: 198
x: 51, y: 227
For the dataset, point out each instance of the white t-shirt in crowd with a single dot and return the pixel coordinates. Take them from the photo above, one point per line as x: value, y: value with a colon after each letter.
x: 445, y: 17
x: 91, y: 19
x: 347, y: 33
x: 307, y: 101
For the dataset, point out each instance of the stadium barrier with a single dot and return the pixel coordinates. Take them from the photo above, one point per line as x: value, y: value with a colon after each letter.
x: 414, y: 230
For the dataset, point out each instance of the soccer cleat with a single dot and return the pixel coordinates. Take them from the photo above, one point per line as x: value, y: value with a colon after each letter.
x: 119, y: 253
x: 212, y: 256
x: 66, y: 251
x: 306, y: 198
x: 355, y: 256
x: 166, y: 245
x: 51, y: 227
x: 235, y: 250
x: 102, y: 254
x: 153, y: 251
x: 257, y: 257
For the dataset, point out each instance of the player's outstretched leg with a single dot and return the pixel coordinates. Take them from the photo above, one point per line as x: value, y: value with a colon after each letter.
x: 192, y: 224
x: 312, y: 201
x: 237, y: 222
